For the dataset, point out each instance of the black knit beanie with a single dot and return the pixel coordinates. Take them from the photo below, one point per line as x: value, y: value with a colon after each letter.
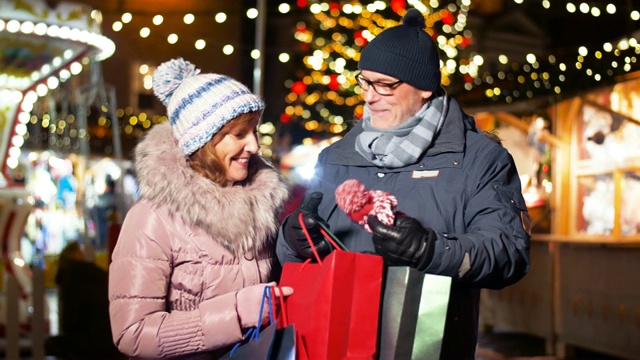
x: 405, y: 52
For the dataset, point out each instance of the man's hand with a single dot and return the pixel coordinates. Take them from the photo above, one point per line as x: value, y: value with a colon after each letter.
x: 294, y: 235
x: 407, y: 243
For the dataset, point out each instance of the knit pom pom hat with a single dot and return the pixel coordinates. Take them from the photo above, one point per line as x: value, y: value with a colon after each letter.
x: 405, y: 52
x: 199, y: 105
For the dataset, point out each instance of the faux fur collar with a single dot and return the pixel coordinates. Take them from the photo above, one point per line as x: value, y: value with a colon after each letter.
x: 240, y: 218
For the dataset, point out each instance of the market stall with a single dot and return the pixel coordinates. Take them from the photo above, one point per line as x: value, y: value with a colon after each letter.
x: 580, y: 291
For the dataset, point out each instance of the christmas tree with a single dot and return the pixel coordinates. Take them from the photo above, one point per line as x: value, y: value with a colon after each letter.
x: 325, y: 99
x: 324, y: 96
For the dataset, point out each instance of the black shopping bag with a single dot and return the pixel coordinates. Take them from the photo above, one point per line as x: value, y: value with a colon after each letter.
x: 257, y: 347
x: 284, y: 344
x: 272, y: 343
x: 414, y: 311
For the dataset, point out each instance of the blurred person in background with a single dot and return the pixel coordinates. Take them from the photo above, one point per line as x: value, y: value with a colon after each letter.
x: 197, y: 249
x: 106, y: 208
x: 83, y: 303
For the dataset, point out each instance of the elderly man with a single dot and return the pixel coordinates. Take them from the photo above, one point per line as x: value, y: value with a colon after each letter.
x: 458, y: 191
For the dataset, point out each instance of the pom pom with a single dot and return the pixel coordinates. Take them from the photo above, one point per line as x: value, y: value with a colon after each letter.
x: 414, y: 17
x: 351, y: 196
x: 169, y: 75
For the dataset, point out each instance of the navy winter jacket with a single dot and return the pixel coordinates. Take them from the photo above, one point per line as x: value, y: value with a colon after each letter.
x: 466, y: 188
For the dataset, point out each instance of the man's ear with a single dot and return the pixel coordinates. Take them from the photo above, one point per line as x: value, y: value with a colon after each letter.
x: 426, y: 94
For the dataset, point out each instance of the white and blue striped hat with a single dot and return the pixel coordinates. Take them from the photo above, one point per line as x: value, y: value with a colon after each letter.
x: 199, y: 105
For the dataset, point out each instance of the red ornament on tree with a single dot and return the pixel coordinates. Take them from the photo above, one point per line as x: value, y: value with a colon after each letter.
x: 359, y: 39
x: 298, y: 87
x: 398, y: 5
x: 447, y: 17
x: 333, y: 82
x: 465, y: 42
x: 284, y: 118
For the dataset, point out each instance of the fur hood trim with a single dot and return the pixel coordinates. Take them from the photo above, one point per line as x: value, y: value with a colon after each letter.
x: 241, y: 218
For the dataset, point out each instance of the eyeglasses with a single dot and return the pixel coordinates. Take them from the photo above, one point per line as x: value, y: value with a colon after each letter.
x: 382, y: 88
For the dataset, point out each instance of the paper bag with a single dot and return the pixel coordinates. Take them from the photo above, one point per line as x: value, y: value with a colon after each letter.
x: 414, y: 311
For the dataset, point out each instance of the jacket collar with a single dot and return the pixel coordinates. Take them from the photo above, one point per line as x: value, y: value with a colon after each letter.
x: 451, y: 138
x: 240, y: 218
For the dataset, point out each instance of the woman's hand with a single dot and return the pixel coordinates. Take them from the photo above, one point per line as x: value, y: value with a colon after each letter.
x: 248, y: 301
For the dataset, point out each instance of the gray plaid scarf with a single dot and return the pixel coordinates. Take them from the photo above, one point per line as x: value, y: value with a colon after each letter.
x: 403, y: 144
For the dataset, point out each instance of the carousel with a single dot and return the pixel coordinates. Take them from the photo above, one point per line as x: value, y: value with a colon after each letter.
x: 42, y: 48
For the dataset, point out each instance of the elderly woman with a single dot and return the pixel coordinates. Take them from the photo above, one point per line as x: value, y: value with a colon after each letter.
x: 196, y: 250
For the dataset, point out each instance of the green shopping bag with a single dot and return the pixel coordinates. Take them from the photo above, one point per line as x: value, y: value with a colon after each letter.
x: 414, y: 311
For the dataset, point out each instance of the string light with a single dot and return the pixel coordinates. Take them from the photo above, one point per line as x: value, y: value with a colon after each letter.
x: 188, y: 19
x: 342, y: 31
x: 21, y: 85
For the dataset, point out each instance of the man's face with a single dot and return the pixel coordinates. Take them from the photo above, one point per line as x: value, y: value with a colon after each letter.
x: 391, y: 110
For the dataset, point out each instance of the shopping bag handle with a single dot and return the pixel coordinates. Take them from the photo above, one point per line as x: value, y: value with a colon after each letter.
x: 328, y: 234
x: 254, y: 332
x: 283, y: 312
x: 325, y: 232
x: 266, y: 294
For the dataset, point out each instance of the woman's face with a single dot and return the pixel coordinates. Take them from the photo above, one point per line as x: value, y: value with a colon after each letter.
x: 235, y: 149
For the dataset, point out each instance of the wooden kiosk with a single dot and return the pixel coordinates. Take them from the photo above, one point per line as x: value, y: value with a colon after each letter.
x: 583, y: 286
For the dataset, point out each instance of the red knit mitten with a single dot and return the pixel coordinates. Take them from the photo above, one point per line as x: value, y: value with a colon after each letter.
x: 358, y: 203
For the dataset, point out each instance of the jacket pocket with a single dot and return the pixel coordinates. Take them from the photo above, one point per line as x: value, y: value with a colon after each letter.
x: 514, y: 204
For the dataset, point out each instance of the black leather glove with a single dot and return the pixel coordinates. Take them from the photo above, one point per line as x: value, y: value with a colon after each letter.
x: 407, y: 243
x: 294, y: 235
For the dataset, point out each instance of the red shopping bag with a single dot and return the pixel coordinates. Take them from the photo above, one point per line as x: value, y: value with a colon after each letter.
x: 335, y: 305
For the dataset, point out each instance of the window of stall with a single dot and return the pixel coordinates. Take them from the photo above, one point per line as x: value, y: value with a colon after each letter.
x: 606, y: 163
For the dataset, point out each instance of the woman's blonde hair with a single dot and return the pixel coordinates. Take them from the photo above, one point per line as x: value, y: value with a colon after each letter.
x: 205, y: 160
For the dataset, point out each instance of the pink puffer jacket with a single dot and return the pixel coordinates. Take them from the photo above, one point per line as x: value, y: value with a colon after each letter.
x: 184, y: 251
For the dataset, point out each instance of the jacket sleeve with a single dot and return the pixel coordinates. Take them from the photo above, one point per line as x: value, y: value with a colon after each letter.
x: 139, y: 276
x: 494, y: 250
x: 283, y: 250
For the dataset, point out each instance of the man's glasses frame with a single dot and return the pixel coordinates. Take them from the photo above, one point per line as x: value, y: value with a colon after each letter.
x: 382, y: 88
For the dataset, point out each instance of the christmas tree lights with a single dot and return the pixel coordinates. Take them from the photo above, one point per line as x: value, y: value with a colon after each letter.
x: 325, y: 97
